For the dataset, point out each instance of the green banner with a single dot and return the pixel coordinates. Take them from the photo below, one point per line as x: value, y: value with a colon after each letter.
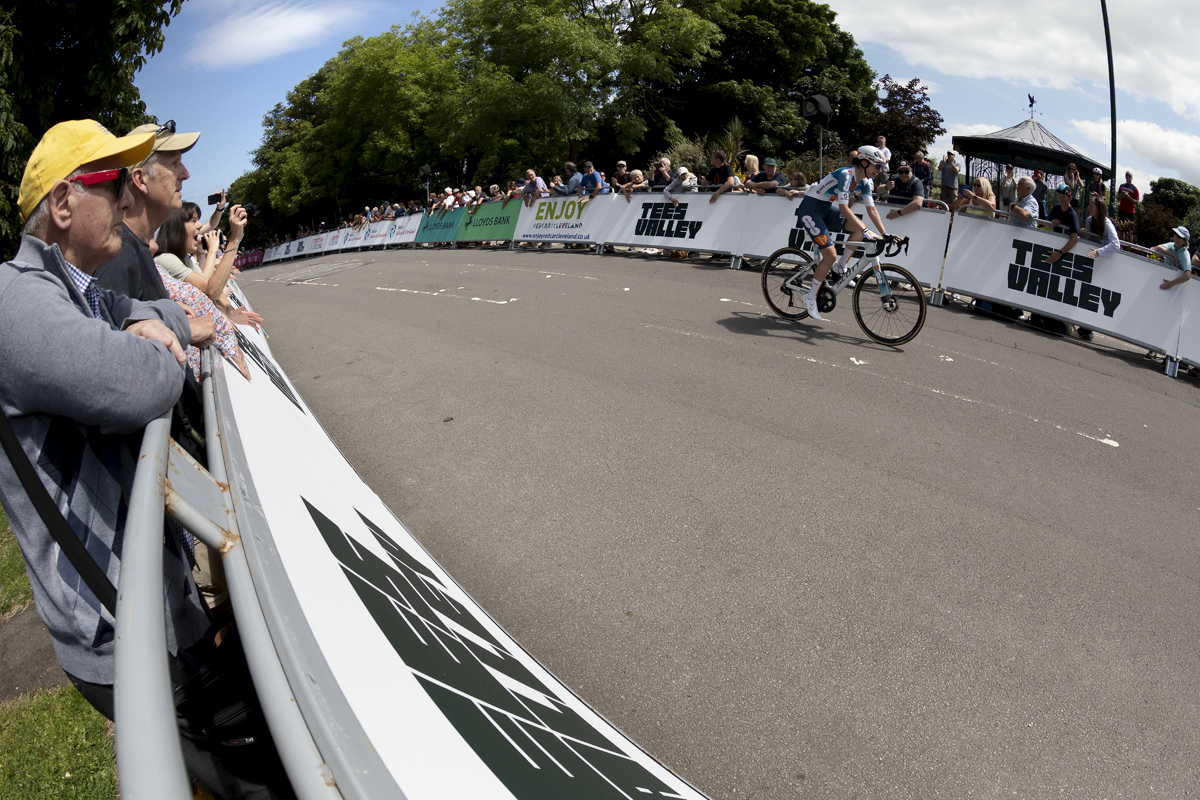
x: 439, y: 226
x: 490, y: 221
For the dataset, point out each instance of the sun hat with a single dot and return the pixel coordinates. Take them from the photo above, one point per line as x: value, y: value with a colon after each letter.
x: 68, y: 145
x: 1182, y: 232
x: 165, y: 137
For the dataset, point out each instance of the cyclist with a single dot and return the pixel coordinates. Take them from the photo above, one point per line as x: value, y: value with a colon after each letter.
x: 819, y: 216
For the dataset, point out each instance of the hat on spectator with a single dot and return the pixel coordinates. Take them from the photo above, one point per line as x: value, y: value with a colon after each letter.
x: 1182, y: 232
x: 1037, y: 173
x: 1097, y: 171
x: 587, y: 164
x: 69, y: 145
x: 165, y: 137
x: 903, y: 166
x: 770, y: 162
x: 621, y: 164
x: 449, y: 190
x: 683, y: 170
x: 1063, y: 189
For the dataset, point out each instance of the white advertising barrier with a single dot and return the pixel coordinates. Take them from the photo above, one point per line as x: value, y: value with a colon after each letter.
x: 773, y: 222
x: 1118, y: 294
x: 448, y: 703
x: 650, y: 220
x: 303, y: 247
x: 565, y: 219
x: 403, y: 230
x: 376, y: 234
x: 318, y: 243
x: 355, y: 238
x: 339, y: 241
x: 1189, y: 327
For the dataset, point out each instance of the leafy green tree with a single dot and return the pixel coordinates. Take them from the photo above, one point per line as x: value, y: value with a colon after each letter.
x: 1178, y: 197
x: 904, y: 117
x: 64, y: 59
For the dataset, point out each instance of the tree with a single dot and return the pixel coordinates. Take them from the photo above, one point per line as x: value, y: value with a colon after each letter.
x: 62, y: 60
x: 904, y: 117
x: 1178, y: 197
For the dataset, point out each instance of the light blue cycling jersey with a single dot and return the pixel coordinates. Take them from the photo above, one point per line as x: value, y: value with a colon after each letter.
x: 837, y: 187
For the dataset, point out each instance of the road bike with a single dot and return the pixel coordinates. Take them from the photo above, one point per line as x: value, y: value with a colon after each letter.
x: 888, y: 302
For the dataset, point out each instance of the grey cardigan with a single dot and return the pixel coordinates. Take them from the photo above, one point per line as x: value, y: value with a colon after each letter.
x: 79, y: 391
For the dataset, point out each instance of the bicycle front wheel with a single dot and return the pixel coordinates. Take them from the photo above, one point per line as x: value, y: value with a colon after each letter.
x: 891, y: 312
x: 783, y: 290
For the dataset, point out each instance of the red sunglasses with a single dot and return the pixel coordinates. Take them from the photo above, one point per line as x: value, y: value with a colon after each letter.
x: 121, y: 176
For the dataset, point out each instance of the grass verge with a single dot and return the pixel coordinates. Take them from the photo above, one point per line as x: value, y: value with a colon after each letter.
x: 54, y: 745
x: 15, y: 593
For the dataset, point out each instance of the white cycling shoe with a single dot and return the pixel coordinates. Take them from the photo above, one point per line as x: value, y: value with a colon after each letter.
x: 810, y: 305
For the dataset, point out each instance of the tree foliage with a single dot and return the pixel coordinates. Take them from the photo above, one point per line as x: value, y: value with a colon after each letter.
x: 488, y: 89
x: 904, y: 117
x: 61, y: 60
x: 1178, y: 197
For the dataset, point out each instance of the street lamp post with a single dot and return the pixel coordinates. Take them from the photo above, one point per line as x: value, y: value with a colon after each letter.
x: 1112, y: 113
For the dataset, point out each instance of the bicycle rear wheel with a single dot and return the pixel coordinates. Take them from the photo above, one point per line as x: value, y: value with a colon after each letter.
x: 787, y: 300
x: 892, y: 313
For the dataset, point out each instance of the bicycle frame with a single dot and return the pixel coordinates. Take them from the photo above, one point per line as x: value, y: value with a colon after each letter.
x: 865, y: 262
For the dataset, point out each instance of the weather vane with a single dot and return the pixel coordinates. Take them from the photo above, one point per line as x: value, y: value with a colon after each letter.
x: 1031, y: 102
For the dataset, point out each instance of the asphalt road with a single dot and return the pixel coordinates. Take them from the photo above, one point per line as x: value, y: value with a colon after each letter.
x: 785, y: 560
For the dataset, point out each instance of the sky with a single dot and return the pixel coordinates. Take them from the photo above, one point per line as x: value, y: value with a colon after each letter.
x: 226, y: 63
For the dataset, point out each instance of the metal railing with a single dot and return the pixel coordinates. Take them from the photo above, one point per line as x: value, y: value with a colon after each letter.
x: 149, y: 754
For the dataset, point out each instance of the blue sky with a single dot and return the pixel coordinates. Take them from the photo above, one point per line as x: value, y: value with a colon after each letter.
x: 227, y: 62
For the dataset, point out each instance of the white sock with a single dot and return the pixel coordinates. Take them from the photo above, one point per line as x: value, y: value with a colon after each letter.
x: 812, y: 290
x: 845, y: 257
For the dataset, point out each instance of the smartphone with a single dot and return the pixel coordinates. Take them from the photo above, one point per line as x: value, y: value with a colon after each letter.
x: 213, y: 199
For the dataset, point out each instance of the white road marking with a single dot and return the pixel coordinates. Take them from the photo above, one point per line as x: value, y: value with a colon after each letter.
x: 945, y: 358
x: 443, y: 293
x: 857, y: 362
x: 1108, y: 441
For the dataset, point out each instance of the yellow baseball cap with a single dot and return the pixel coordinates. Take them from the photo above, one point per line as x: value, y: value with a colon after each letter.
x: 68, y: 145
x: 166, y: 138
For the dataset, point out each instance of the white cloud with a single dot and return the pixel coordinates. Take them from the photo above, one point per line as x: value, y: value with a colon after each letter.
x: 1153, y: 48
x: 247, y: 36
x: 1170, y: 150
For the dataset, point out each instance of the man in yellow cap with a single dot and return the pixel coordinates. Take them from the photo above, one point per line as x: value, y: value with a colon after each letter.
x: 82, y: 371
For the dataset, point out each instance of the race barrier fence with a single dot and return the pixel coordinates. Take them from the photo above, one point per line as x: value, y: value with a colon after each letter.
x: 985, y: 258
x: 379, y: 676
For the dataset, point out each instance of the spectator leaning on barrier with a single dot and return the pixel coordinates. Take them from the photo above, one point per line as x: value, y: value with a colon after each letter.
x: 767, y: 181
x: 906, y: 185
x: 1025, y: 210
x: 534, y: 187
x: 590, y: 183
x: 1127, y: 199
x: 82, y: 371
x: 662, y: 174
x: 684, y: 181
x: 1100, y: 226
x: 621, y: 176
x: 1177, y: 257
x: 720, y: 176
x: 637, y: 183
x: 979, y: 200
x: 796, y: 186
x: 1065, y: 220
x: 949, y: 174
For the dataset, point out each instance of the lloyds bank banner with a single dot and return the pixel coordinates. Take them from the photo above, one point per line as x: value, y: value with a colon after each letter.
x: 489, y: 221
x: 566, y: 219
x: 439, y: 226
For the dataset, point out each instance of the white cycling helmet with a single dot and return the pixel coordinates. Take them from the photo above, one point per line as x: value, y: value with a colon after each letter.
x: 871, y: 154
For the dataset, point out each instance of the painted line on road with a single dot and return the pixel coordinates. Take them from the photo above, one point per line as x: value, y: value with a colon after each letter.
x: 1106, y: 440
x: 443, y: 293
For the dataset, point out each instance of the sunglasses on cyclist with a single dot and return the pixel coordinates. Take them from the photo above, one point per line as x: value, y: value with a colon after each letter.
x: 117, y: 178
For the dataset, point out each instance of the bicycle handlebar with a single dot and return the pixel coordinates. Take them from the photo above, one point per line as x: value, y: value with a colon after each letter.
x: 893, y: 246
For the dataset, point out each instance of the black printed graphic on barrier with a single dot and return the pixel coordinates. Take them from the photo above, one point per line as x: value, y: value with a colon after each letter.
x: 1068, y: 280
x: 287, y: 249
x: 665, y: 220
x: 537, y: 746
x: 251, y: 349
x: 299, y: 247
